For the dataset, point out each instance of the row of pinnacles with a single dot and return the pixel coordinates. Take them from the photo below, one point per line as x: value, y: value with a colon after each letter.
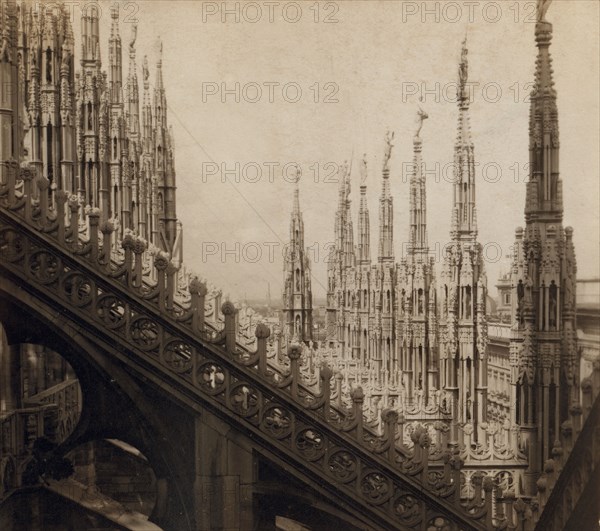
x: 433, y: 452
x: 390, y: 326
x: 420, y: 346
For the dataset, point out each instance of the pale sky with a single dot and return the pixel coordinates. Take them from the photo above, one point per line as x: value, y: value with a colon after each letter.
x: 359, y: 74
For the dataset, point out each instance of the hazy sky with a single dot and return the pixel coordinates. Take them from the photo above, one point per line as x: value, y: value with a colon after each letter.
x: 315, y: 84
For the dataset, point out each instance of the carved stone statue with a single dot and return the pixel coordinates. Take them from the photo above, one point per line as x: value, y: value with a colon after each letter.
x: 133, y: 39
x: 553, y: 292
x: 4, y: 49
x: 389, y: 136
x: 145, y: 71
x: 542, y: 7
x: 528, y: 290
x: 66, y: 54
x: 346, y: 173
x: 363, y: 169
x: 422, y: 116
x: 463, y: 68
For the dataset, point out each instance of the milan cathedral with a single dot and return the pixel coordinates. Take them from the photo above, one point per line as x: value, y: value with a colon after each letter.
x: 417, y: 409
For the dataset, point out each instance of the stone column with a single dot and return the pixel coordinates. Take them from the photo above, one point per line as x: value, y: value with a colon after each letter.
x: 225, y: 473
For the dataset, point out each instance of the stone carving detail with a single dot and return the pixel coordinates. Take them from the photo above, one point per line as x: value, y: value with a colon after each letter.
x: 343, y: 466
x: 278, y: 421
x: 211, y: 378
x: 178, y: 356
x: 145, y: 333
x: 376, y: 487
x: 78, y: 288
x: 111, y: 311
x: 311, y: 444
x: 44, y: 267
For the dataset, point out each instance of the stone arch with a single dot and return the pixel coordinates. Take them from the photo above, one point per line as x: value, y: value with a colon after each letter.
x: 107, y: 387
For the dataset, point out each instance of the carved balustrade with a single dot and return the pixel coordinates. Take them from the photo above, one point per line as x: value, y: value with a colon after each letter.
x: 188, y: 337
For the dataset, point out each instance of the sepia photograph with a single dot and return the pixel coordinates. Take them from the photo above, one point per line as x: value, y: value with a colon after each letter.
x: 299, y: 265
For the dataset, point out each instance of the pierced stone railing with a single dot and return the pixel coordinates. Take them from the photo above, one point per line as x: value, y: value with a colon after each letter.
x: 67, y: 258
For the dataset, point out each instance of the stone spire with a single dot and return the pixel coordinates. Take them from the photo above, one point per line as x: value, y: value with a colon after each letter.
x: 133, y: 92
x: 92, y: 116
x: 543, y: 349
x: 544, y: 190
x: 164, y: 164
x: 296, y: 222
x: 364, y: 228
x: 160, y: 99
x: 115, y: 75
x: 90, y: 36
x: 418, y: 197
x: 297, y: 293
x: 132, y: 126
x: 417, y: 309
x: 339, y: 259
x: 349, y: 253
x: 463, y: 326
x: 9, y: 104
x: 146, y: 110
x: 464, y: 215
x: 386, y: 208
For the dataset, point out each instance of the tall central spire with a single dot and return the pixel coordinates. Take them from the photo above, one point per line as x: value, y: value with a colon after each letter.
x: 543, y: 350
x: 464, y: 215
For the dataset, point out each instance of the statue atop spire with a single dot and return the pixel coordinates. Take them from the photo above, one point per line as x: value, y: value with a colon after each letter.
x: 389, y: 136
x: 542, y: 8
x: 345, y: 170
x: 146, y: 72
x: 363, y: 169
x: 132, y: 41
x: 463, y: 71
x: 421, y: 116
